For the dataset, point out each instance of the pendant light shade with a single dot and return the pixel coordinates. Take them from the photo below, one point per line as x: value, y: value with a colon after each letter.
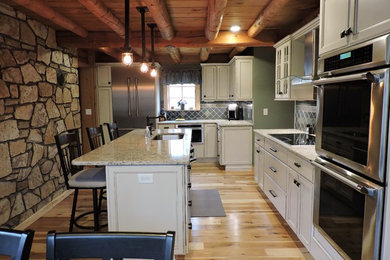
x: 127, y: 55
x: 153, y: 70
x: 144, y: 66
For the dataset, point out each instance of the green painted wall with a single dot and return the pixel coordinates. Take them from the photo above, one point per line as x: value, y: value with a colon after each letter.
x: 280, y: 113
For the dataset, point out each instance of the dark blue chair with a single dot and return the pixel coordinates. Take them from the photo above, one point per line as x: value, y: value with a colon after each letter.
x: 16, y: 244
x: 110, y: 245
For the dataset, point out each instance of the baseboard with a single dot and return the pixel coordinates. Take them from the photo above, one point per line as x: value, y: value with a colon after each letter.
x: 238, y: 167
x: 25, y: 224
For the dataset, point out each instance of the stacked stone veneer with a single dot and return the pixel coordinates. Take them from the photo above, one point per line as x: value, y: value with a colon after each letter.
x: 34, y: 107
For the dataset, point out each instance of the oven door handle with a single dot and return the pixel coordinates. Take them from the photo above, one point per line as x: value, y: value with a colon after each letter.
x: 358, y: 186
x: 364, y: 76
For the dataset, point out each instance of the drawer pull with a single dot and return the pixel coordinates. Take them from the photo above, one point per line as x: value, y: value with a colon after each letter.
x: 258, y: 140
x: 190, y: 203
x: 297, y: 183
x: 273, y: 150
x: 272, y: 169
x: 189, y: 225
x: 297, y: 165
x: 189, y: 185
x: 272, y: 193
x: 257, y: 151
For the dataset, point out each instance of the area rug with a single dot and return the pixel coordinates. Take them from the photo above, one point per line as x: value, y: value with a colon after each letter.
x: 206, y: 203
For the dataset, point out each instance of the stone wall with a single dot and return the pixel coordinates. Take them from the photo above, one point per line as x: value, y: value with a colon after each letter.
x: 39, y: 97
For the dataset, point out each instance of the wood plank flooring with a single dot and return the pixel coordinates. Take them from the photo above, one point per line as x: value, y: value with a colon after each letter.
x: 252, y: 229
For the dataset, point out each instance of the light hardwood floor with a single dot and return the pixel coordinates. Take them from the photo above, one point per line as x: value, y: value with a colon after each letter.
x: 252, y: 229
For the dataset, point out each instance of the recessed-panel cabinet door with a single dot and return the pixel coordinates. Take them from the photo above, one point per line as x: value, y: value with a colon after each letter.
x: 334, y: 19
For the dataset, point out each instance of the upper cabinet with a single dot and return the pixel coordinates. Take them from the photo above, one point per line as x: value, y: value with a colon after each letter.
x: 228, y: 81
x: 296, y: 64
x: 104, y: 76
x: 215, y: 82
x: 241, y: 76
x: 348, y: 22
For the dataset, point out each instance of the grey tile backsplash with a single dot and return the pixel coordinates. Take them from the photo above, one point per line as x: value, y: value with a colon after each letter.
x: 215, y: 110
x: 305, y: 114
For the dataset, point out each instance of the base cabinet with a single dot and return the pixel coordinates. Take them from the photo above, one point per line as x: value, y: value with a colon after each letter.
x: 236, y: 147
x: 210, y: 141
x: 300, y: 207
x: 149, y: 199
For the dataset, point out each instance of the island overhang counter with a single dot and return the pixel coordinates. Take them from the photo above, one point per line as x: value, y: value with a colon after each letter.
x: 147, y: 182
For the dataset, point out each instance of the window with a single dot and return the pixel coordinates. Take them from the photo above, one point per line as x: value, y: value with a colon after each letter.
x: 186, y: 94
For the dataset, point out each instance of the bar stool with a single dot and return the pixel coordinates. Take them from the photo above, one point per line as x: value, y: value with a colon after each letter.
x: 113, y: 130
x: 15, y: 243
x: 68, y: 145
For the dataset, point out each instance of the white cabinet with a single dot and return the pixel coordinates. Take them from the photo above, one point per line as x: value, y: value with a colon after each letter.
x: 210, y: 140
x: 149, y: 199
x: 104, y: 105
x: 347, y: 22
x: 104, y: 76
x: 209, y: 82
x: 241, y: 78
x: 166, y: 126
x: 282, y: 70
x: 236, y: 147
x: 300, y: 198
x: 258, y: 157
x: 215, y: 82
x: 290, y: 67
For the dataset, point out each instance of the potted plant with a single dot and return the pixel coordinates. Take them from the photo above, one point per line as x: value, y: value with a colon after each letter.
x: 181, y: 104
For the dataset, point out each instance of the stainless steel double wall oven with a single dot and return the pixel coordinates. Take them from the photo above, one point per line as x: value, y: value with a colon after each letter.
x: 351, y: 140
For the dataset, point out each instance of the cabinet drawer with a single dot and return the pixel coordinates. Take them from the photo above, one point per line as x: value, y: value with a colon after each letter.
x: 259, y: 139
x: 276, y: 170
x: 275, y: 195
x: 302, y: 166
x: 276, y: 150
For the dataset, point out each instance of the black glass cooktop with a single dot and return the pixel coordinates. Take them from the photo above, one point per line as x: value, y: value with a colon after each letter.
x: 296, y: 139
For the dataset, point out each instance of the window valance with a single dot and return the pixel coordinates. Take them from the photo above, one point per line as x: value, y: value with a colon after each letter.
x: 181, y: 76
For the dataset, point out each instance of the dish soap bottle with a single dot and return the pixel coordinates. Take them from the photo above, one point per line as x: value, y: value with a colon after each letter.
x: 147, y: 131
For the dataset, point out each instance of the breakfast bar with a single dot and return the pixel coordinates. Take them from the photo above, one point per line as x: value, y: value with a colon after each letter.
x: 147, y: 179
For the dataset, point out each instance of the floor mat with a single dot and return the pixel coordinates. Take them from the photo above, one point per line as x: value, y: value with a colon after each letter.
x: 206, y: 203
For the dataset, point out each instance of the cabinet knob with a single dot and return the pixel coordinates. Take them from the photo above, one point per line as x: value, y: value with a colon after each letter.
x: 189, y: 225
x: 297, y: 164
x: 109, y: 82
x: 204, y: 95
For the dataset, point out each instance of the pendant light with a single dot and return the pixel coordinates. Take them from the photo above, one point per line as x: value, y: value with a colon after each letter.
x: 144, y: 66
x: 127, y: 55
x: 153, y: 71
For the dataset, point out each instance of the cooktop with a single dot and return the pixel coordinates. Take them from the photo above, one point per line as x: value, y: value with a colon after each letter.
x: 296, y: 139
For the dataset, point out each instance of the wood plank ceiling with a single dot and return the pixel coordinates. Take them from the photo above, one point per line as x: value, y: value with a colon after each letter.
x: 188, y: 31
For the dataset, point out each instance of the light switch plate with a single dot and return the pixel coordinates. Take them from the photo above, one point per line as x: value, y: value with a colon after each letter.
x: 265, y: 111
x: 145, y: 178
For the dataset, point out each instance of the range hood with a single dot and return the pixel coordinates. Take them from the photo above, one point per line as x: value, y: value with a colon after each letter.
x: 305, y: 55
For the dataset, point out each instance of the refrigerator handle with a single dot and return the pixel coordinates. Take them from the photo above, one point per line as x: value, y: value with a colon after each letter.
x: 137, y: 97
x: 129, y: 96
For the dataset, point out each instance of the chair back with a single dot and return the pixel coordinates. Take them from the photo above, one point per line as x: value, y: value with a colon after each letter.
x: 113, y: 130
x: 16, y: 244
x: 107, y: 245
x: 95, y: 136
x: 68, y: 146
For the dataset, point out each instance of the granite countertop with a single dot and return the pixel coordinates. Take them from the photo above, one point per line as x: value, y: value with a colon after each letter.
x: 305, y: 151
x: 219, y: 122
x: 134, y: 149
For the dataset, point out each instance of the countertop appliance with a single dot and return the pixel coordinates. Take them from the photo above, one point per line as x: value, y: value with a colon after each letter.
x: 296, y: 139
x: 352, y: 142
x: 233, y: 112
x: 133, y: 97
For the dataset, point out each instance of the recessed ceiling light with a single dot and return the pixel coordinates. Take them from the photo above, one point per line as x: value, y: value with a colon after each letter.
x: 235, y: 28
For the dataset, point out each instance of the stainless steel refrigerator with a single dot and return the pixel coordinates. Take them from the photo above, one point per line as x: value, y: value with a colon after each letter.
x: 133, y: 97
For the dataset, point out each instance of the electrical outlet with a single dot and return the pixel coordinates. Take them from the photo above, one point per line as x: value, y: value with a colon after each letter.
x: 265, y: 111
x: 145, y: 178
x: 88, y: 111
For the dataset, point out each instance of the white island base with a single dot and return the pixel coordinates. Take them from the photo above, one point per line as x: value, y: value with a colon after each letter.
x: 149, y: 198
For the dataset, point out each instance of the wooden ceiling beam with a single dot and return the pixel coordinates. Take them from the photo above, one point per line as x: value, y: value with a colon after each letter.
x: 263, y: 20
x: 216, y: 9
x: 116, y: 54
x: 158, y: 10
x: 97, y: 8
x: 204, y: 54
x: 42, y: 9
x: 112, y: 40
x: 175, y: 54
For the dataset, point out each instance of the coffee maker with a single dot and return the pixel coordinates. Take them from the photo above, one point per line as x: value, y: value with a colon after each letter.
x: 233, y: 112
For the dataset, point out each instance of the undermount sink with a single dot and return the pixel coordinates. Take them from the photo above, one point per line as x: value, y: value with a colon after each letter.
x: 168, y: 136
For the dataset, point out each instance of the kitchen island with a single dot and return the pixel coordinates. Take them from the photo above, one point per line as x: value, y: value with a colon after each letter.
x: 147, y: 182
